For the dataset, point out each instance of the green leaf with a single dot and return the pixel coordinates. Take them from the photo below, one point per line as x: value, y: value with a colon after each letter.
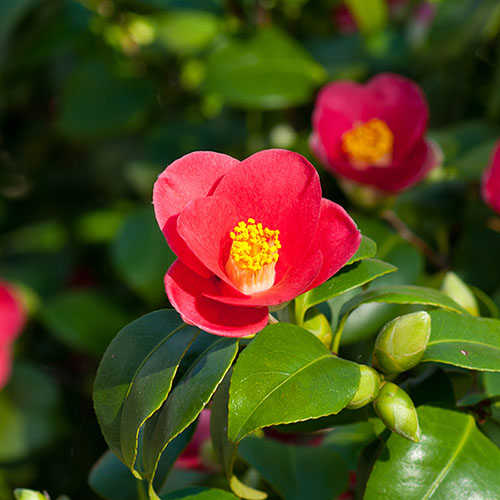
x: 346, y: 279
x: 267, y: 71
x: 200, y: 494
x: 287, y: 375
x: 141, y: 255
x: 191, y: 393
x: 112, y: 480
x: 297, y: 472
x: 453, y: 459
x: 29, y: 413
x: 84, y: 320
x: 185, y: 31
x: 464, y: 340
x: 404, y: 295
x: 135, y: 377
x: 367, y: 249
x: 95, y: 102
x: 370, y: 15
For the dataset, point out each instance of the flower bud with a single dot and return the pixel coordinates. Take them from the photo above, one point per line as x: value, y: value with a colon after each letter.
x: 316, y: 323
x: 368, y: 388
x: 401, y: 343
x: 455, y: 288
x: 397, y: 411
x: 23, y: 494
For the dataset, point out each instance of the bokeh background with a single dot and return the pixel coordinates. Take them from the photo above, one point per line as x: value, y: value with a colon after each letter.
x: 98, y: 96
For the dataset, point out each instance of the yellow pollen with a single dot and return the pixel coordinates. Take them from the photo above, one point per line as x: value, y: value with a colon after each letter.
x: 253, y: 256
x: 369, y: 144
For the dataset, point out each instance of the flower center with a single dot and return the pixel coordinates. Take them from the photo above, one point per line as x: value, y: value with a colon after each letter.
x: 253, y: 256
x: 369, y: 144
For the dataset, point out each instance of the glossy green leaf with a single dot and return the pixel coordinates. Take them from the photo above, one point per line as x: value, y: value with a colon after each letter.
x: 287, y: 375
x: 135, y: 377
x: 191, y: 393
x: 346, y: 279
x: 200, y: 494
x: 269, y: 70
x: 404, y: 295
x: 84, y: 320
x: 141, y: 255
x: 367, y: 249
x: 464, y: 340
x: 297, y: 472
x: 453, y: 459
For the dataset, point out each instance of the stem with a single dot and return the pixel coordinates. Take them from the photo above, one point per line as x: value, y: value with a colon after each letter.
x: 338, y: 334
x: 437, y: 260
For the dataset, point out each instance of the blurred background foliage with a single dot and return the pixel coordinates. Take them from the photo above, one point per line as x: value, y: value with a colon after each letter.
x: 98, y: 96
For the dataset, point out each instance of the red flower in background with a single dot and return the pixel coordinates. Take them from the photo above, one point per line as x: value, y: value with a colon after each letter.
x: 491, y: 180
x: 247, y: 235
x: 374, y: 133
x: 12, y: 319
x: 191, y: 457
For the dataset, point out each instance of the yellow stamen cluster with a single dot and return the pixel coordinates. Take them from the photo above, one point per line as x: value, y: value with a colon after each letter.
x: 369, y: 144
x: 253, y: 256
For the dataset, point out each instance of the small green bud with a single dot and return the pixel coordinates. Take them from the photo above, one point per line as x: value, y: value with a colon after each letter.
x: 401, y: 343
x: 316, y: 323
x: 396, y: 409
x: 455, y: 288
x: 369, y: 384
x: 23, y: 494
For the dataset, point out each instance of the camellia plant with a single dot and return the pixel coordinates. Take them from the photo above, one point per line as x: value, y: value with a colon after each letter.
x: 258, y: 246
x: 268, y: 274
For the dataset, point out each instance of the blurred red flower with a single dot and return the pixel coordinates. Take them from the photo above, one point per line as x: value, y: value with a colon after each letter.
x: 191, y: 457
x: 491, y: 180
x: 12, y: 320
x: 247, y: 235
x: 374, y: 133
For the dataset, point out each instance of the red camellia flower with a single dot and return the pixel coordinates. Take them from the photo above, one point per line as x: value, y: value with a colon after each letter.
x: 12, y: 319
x: 491, y: 180
x: 374, y: 133
x: 247, y: 235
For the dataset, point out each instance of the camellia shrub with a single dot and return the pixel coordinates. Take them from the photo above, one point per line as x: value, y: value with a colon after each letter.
x: 250, y: 250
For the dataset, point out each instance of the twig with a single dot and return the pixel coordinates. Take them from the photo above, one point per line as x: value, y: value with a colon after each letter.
x: 437, y: 260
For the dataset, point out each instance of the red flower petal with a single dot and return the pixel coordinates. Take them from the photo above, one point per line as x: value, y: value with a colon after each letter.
x: 491, y: 180
x: 281, y: 190
x: 398, y: 176
x: 293, y: 282
x: 205, y: 225
x: 401, y: 104
x: 193, y: 176
x: 337, y: 238
x: 12, y: 315
x: 184, y: 292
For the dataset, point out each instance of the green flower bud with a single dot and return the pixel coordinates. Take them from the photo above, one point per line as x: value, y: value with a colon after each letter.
x: 401, y: 343
x: 316, y: 323
x: 369, y: 384
x: 455, y: 288
x: 396, y: 409
x: 23, y: 494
